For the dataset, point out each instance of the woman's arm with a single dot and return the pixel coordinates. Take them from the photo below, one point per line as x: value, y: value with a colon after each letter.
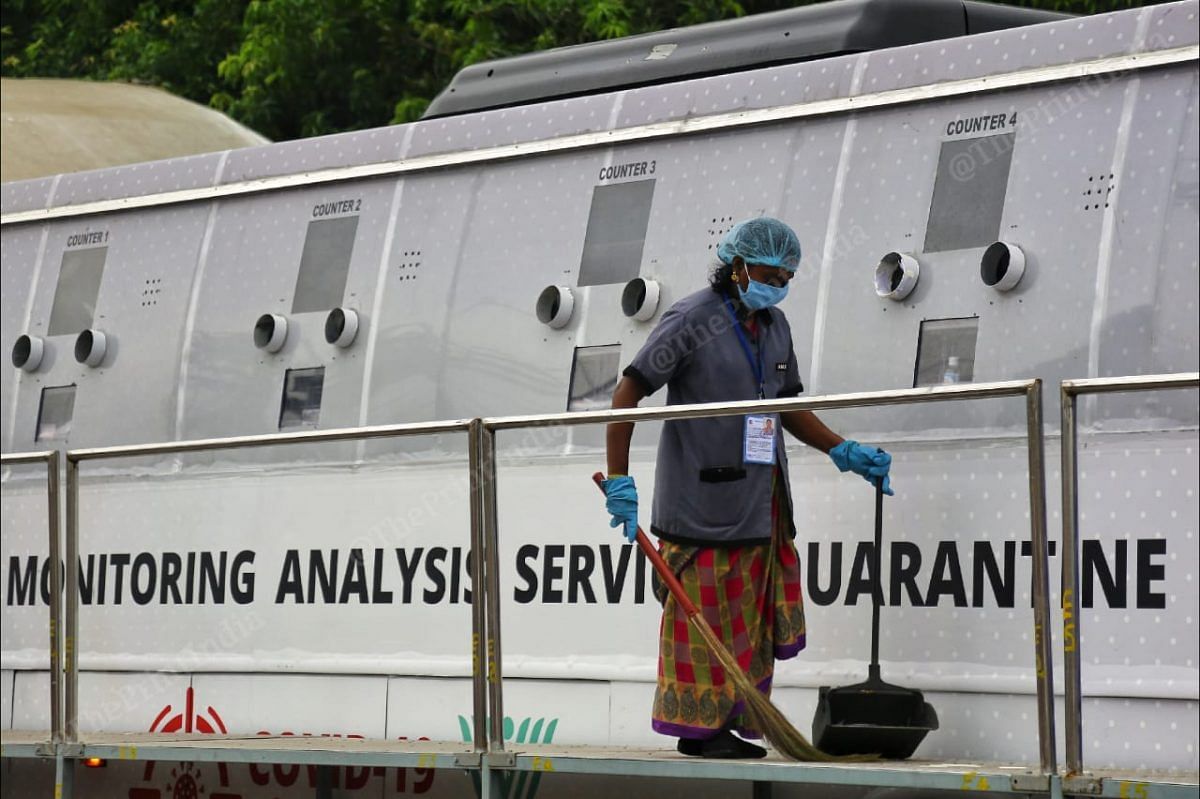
x: 805, y: 426
x: 628, y: 394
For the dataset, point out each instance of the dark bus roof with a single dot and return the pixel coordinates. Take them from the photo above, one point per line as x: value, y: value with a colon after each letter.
x: 798, y: 34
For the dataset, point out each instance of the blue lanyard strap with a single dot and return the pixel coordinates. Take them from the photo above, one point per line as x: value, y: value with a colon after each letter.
x: 756, y: 364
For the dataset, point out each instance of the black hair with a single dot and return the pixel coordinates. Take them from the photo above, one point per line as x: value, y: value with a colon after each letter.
x: 720, y: 278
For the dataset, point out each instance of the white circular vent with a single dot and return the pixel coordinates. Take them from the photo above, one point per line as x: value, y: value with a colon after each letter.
x: 555, y: 305
x: 896, y: 276
x: 1002, y: 266
x: 270, y: 332
x: 341, y: 327
x: 90, y: 347
x: 639, y: 300
x: 27, y: 352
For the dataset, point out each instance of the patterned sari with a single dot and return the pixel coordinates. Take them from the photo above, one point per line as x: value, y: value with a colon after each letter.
x: 751, y: 597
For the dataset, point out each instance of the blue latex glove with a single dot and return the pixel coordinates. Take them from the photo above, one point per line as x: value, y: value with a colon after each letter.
x: 622, y: 503
x: 870, y: 462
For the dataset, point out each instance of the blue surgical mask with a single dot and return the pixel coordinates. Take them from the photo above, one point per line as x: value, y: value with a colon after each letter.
x: 761, y: 295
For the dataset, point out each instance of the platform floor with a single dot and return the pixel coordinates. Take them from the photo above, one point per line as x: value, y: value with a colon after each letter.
x: 632, y: 761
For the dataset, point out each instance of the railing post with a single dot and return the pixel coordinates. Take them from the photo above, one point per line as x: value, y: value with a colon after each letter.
x: 492, y: 585
x: 56, y: 592
x: 478, y: 585
x: 1070, y: 390
x: 1073, y: 698
x: 71, y: 631
x: 1043, y: 657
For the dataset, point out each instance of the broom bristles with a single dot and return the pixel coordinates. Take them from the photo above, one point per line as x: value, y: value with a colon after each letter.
x: 774, y: 726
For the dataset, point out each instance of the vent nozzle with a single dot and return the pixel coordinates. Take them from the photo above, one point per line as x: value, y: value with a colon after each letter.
x: 1002, y: 266
x: 341, y: 327
x: 639, y: 300
x: 90, y: 347
x: 896, y: 275
x: 270, y: 332
x: 27, y: 352
x: 555, y: 305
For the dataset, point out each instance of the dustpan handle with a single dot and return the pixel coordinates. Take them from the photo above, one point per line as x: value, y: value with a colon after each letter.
x: 877, y: 581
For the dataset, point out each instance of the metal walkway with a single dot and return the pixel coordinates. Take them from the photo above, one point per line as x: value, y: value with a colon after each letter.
x: 1014, y: 778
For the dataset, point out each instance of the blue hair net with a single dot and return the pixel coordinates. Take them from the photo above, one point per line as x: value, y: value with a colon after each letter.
x: 761, y: 240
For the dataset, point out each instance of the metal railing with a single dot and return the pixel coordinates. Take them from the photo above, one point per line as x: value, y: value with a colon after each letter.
x: 1031, y: 390
x: 481, y: 446
x: 1070, y: 391
x: 75, y: 457
x: 51, y: 459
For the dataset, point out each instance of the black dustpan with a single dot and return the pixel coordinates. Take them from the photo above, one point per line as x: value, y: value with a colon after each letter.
x: 873, y: 717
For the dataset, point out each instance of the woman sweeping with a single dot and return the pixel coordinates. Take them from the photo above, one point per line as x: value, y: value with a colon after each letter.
x: 722, y: 503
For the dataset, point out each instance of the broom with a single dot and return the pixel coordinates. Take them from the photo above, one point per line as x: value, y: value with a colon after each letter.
x: 775, y: 727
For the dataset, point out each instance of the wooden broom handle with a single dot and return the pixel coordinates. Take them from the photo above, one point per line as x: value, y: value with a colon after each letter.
x: 660, y: 565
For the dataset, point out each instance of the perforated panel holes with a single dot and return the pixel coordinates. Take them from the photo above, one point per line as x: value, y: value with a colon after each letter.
x: 717, y: 228
x: 150, y: 291
x: 1098, y: 189
x: 408, y: 269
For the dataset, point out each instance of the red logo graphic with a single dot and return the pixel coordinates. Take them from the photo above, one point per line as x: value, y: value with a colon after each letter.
x: 188, y: 720
x: 185, y: 780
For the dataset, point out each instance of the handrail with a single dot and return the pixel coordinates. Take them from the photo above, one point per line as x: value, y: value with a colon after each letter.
x: 75, y: 457
x: 1070, y: 390
x: 1030, y: 389
x: 1008, y: 388
x: 51, y: 459
x: 481, y: 433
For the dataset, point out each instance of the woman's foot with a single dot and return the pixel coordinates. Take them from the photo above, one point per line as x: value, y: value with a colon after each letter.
x: 722, y: 746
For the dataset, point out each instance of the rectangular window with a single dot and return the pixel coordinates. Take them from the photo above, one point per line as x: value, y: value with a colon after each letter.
x: 301, y: 407
x: 946, y: 351
x: 594, y: 377
x: 74, y: 307
x: 968, y: 193
x: 324, y: 264
x: 616, y: 233
x: 55, y: 412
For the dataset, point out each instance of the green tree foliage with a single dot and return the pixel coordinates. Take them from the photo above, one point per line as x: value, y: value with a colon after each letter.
x: 292, y: 68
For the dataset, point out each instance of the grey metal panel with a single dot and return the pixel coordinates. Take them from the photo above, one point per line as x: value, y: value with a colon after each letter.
x: 887, y: 187
x: 1065, y: 141
x: 510, y: 125
x: 1041, y: 328
x: 616, y: 232
x: 172, y: 174
x: 309, y: 155
x: 232, y: 387
x: 25, y: 195
x: 18, y: 263
x: 1150, y: 323
x: 1173, y: 24
x: 416, y: 370
x: 966, y: 207
x: 794, y: 83
x: 324, y: 264
x: 525, y: 231
x: 975, y: 56
x: 79, y: 274
x: 141, y: 303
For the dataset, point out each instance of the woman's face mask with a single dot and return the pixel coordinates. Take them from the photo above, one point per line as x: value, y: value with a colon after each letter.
x: 759, y: 295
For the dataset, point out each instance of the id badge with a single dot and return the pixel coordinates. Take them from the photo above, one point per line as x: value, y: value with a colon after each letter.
x: 758, y: 445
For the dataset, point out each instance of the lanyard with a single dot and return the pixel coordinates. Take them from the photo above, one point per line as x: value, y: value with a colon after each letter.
x: 756, y: 364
